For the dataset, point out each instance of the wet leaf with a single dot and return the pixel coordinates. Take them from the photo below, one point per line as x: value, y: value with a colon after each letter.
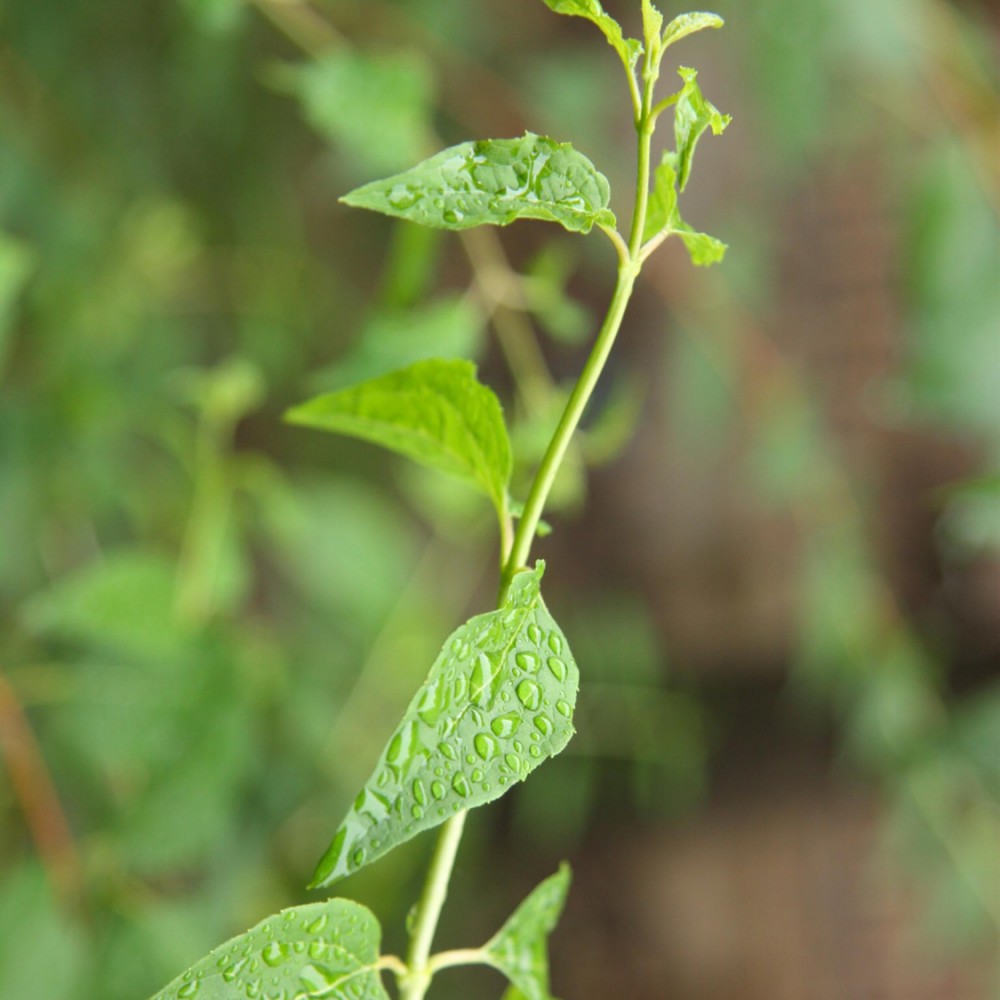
x: 497, y: 702
x: 520, y: 948
x: 321, y: 949
x: 495, y: 182
x: 434, y: 412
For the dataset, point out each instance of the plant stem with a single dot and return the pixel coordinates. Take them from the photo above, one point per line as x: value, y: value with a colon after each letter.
x: 413, y: 986
x: 514, y: 554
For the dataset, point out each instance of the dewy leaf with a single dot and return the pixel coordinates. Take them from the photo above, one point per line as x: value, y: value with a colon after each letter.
x: 497, y: 702
x: 687, y: 24
x: 520, y: 948
x: 495, y: 182
x: 628, y: 49
x: 434, y: 412
x: 663, y: 216
x: 692, y: 115
x: 324, y: 950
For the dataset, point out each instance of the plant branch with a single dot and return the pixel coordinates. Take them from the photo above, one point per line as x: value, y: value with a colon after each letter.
x: 413, y: 986
x: 37, y: 796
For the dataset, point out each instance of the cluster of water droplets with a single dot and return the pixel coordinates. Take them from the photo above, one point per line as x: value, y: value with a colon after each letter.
x: 497, y: 181
x: 323, y: 948
x: 498, y: 701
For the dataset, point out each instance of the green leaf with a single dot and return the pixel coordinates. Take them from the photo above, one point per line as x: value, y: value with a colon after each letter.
x: 324, y: 950
x: 520, y: 948
x: 652, y: 25
x: 692, y: 115
x: 628, y: 49
x: 377, y: 108
x: 687, y: 24
x: 497, y: 702
x: 495, y: 182
x: 434, y: 412
x: 663, y: 216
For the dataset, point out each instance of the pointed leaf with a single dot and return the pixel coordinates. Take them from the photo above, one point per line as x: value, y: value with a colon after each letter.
x: 495, y: 182
x: 497, y: 702
x: 703, y: 249
x: 628, y: 49
x: 520, y: 948
x: 434, y: 412
x: 687, y: 24
x: 692, y: 115
x: 324, y: 950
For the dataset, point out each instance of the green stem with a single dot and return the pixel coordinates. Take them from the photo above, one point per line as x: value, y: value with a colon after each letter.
x: 413, y: 986
x: 514, y: 553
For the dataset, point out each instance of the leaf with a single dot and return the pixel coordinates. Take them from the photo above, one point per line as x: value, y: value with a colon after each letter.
x: 434, y: 412
x: 324, y: 950
x: 377, y: 108
x: 662, y: 216
x: 628, y: 49
x: 495, y: 182
x: 687, y: 24
x: 520, y: 948
x: 692, y: 115
x: 497, y: 702
x: 652, y: 25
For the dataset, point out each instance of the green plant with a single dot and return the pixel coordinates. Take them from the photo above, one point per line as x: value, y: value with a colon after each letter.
x: 499, y: 699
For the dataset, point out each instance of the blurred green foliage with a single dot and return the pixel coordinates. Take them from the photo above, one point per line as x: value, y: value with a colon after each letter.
x: 206, y: 671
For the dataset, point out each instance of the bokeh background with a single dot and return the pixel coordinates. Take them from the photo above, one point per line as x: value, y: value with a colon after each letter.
x: 776, y: 548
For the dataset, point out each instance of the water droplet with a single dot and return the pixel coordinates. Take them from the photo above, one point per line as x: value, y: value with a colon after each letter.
x: 437, y: 790
x: 431, y: 704
x: 318, y: 925
x: 558, y: 668
x: 543, y: 724
x: 318, y: 949
x: 486, y: 786
x: 419, y: 792
x: 189, y: 989
x: 404, y: 744
x: 477, y: 775
x: 485, y: 745
x: 564, y: 708
x: 534, y: 634
x: 232, y: 971
x: 470, y: 758
x: 505, y: 726
x: 402, y: 197
x: 460, y: 784
x: 518, y: 746
x: 555, y: 643
x: 529, y: 694
x: 358, y: 857
x: 276, y: 953
x: 534, y: 751
x: 417, y: 812
x: 528, y: 662
x: 513, y: 761
x: 452, y: 216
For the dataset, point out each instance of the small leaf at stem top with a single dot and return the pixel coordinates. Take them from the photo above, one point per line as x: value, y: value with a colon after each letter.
x: 497, y: 702
x: 434, y: 412
x: 495, y: 182
x: 652, y: 25
x: 687, y: 24
x: 325, y: 950
x: 520, y: 948
x: 628, y: 49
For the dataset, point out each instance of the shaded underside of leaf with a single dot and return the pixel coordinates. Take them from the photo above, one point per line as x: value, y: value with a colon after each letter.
x: 319, y: 950
x: 435, y: 412
x: 520, y: 948
x: 495, y: 182
x: 692, y: 115
x: 497, y: 702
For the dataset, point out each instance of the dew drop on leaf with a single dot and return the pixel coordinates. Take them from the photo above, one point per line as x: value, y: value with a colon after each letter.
x: 529, y: 694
